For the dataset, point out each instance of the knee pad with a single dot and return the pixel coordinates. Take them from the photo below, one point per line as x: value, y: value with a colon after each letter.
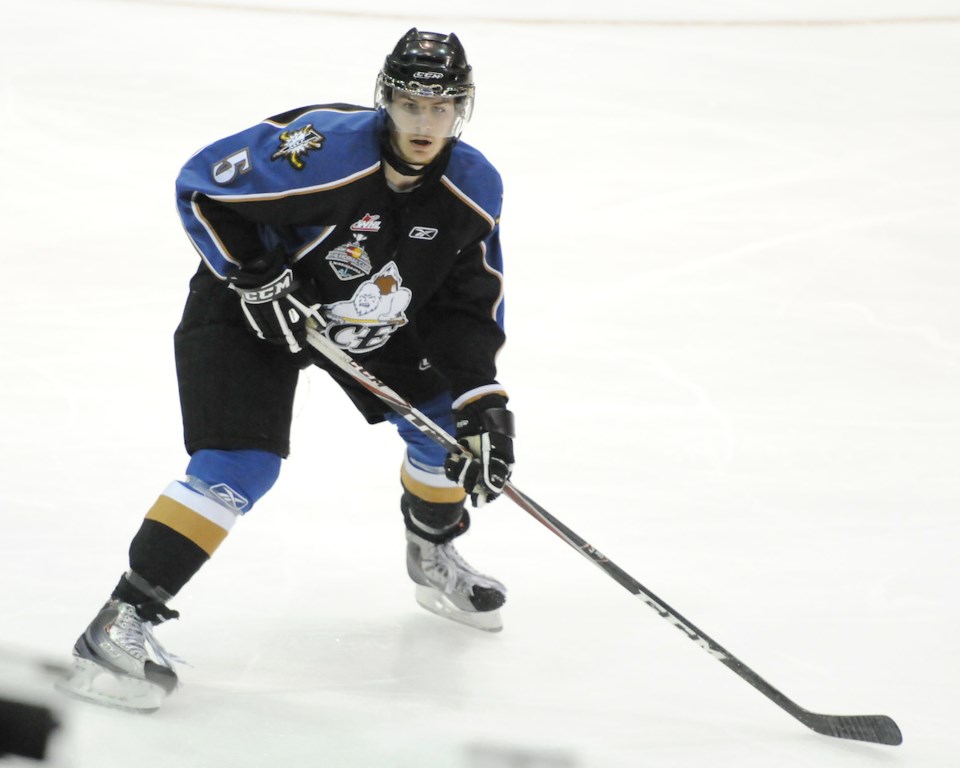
x: 434, y: 521
x: 432, y: 506
x: 236, y: 479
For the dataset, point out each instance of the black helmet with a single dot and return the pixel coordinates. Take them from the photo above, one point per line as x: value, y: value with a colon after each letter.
x: 428, y: 64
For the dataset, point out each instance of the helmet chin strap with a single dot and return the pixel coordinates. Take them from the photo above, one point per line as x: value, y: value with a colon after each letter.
x: 404, y: 169
x: 399, y: 164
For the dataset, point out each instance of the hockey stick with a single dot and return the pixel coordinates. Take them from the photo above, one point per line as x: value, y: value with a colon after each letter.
x: 878, y: 729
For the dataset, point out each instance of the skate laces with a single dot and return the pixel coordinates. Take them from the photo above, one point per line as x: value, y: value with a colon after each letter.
x: 443, y: 561
x: 134, y: 636
x: 162, y: 654
x: 128, y: 633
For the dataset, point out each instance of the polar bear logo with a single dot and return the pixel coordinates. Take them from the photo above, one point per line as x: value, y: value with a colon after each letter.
x: 381, y: 300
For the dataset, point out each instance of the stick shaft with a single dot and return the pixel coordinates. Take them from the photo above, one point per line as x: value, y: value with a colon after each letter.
x: 879, y: 729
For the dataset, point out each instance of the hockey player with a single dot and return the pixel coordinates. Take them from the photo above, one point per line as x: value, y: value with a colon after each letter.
x: 381, y: 229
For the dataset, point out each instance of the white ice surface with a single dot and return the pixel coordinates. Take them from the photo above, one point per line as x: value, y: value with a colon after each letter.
x: 733, y: 300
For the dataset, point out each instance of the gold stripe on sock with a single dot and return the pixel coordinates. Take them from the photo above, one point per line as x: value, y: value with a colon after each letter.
x: 201, y: 531
x: 432, y: 493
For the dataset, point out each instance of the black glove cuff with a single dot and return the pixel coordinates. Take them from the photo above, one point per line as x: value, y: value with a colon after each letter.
x: 260, y: 270
x: 469, y: 418
x: 498, y: 420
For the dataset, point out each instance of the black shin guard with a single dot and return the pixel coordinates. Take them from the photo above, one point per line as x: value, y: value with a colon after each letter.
x: 434, y: 521
x: 164, y: 558
x: 161, y: 562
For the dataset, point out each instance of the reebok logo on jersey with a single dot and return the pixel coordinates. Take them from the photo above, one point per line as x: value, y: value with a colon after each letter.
x: 423, y: 233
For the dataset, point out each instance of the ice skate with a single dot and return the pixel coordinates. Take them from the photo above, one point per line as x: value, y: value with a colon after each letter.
x: 119, y: 663
x: 448, y: 586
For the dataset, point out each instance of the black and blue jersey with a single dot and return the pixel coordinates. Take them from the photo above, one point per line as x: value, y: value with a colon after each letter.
x: 406, y: 278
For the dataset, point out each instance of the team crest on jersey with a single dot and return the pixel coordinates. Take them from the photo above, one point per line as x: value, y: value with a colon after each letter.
x: 350, y: 261
x: 294, y: 145
x: 369, y: 223
x: 375, y: 312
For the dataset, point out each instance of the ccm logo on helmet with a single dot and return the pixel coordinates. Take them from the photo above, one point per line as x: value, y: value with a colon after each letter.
x: 428, y: 75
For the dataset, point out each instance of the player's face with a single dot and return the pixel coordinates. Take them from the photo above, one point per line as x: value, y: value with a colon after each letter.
x: 422, y: 126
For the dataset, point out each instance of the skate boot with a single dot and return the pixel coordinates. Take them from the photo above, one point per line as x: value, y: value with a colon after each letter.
x: 118, y: 662
x: 448, y: 586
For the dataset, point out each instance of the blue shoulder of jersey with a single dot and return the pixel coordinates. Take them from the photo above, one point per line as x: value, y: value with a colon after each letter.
x: 476, y: 178
x: 310, y: 148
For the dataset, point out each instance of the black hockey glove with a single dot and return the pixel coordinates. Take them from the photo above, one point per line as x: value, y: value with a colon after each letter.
x: 485, y: 428
x: 277, y: 309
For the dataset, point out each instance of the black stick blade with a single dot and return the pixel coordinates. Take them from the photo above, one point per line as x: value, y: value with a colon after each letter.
x: 877, y: 729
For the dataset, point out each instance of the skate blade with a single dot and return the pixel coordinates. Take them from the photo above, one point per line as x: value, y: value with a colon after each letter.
x: 88, y: 681
x: 438, y: 603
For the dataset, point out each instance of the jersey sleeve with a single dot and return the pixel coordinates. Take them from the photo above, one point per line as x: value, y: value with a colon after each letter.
x: 246, y: 195
x: 463, y: 326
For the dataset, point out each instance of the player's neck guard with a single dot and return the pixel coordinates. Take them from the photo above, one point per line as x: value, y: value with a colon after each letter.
x: 405, y: 169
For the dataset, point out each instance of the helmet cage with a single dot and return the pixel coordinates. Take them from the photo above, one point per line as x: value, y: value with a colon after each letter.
x: 420, y: 88
x: 427, y: 65
x: 461, y: 94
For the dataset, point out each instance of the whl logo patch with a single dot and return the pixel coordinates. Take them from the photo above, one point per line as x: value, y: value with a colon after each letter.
x: 369, y: 223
